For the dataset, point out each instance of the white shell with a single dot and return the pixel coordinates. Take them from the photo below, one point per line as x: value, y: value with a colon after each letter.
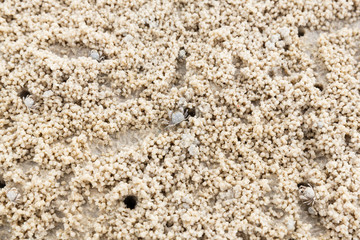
x: 177, y: 118
x: 13, y: 194
x: 29, y: 102
x: 95, y: 55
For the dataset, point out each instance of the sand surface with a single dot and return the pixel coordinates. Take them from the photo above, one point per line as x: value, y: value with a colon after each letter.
x: 179, y: 119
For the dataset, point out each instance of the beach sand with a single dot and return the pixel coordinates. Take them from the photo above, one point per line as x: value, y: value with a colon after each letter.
x: 179, y: 119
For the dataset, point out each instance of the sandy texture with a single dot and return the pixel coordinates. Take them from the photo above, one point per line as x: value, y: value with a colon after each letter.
x: 179, y: 119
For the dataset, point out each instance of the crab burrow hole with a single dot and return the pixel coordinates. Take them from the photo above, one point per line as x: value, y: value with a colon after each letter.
x: 305, y: 184
x: 130, y: 201
x: 190, y: 112
x: 319, y: 86
x: 2, y: 183
x: 24, y: 93
x: 301, y: 31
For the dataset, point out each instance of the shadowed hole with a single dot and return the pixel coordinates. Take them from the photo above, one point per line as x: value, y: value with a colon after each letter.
x: 301, y: 31
x: 24, y: 93
x: 319, y: 86
x: 64, y: 77
x: 130, y: 201
x: 271, y: 73
x: 303, y: 184
x: 255, y: 103
x: 242, y: 235
x: 169, y: 223
x: 2, y: 183
x: 347, y: 139
x: 191, y: 112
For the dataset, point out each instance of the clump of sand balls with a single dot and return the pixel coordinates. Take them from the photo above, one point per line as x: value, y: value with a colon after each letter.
x: 179, y: 120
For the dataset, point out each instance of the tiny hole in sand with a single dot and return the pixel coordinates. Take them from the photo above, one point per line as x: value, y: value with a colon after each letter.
x: 242, y: 235
x: 347, y: 139
x: 301, y: 31
x: 305, y: 184
x: 287, y: 47
x: 255, y: 103
x: 319, y: 86
x: 130, y: 201
x: 271, y: 73
x: 64, y: 78
x: 191, y: 111
x: 2, y: 183
x: 169, y: 223
x: 24, y: 93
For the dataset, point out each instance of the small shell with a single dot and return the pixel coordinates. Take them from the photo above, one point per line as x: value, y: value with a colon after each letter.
x: 95, y: 55
x: 13, y: 194
x: 29, y: 102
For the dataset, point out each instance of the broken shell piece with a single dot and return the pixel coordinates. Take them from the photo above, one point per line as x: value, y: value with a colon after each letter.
x: 13, y: 195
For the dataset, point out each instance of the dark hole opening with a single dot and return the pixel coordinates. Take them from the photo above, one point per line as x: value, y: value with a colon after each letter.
x: 64, y: 78
x: 130, y: 201
x: 347, y: 139
x: 24, y: 93
x: 301, y: 31
x: 255, y: 103
x: 287, y: 47
x: 271, y: 73
x: 305, y: 184
x: 331, y: 201
x: 191, y: 112
x: 169, y: 223
x: 319, y: 86
x: 2, y: 183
